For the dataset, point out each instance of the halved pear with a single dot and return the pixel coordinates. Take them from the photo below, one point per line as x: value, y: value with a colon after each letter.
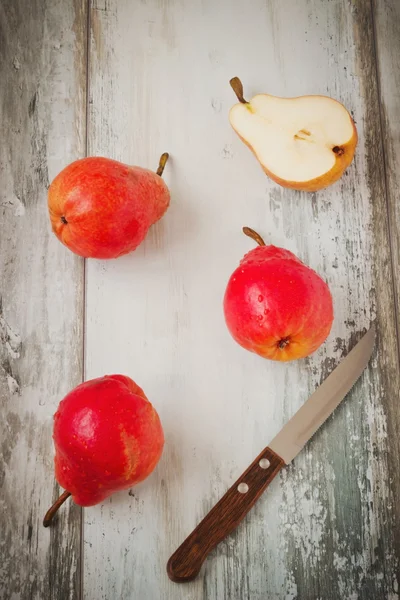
x: 303, y: 143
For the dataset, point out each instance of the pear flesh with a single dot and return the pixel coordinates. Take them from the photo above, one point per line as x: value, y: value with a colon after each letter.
x: 303, y: 143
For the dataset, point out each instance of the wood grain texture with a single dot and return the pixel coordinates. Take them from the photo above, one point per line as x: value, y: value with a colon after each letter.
x: 170, y: 81
x: 159, y: 81
x: 42, y: 114
x: 159, y: 73
x: 185, y: 563
x: 387, y: 46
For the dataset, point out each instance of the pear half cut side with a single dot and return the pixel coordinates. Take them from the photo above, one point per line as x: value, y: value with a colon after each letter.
x: 303, y: 143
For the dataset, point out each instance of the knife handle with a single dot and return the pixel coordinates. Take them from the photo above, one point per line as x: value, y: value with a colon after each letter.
x: 185, y: 564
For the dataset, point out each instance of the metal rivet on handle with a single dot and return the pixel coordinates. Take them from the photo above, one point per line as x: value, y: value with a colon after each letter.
x: 243, y: 488
x: 264, y: 463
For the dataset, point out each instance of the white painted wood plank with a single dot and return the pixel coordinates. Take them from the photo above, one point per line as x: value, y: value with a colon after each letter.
x: 159, y: 82
x: 42, y: 115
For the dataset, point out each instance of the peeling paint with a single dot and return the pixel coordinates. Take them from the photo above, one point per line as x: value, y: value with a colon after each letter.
x: 10, y: 339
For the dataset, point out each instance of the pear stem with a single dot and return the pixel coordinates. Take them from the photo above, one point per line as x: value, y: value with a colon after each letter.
x: 237, y: 87
x: 253, y: 235
x: 53, y: 509
x: 161, y: 165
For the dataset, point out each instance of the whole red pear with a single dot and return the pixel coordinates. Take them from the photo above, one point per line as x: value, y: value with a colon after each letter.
x: 107, y: 437
x: 101, y: 208
x: 275, y: 305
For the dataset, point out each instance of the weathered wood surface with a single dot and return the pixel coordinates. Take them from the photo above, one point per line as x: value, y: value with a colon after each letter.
x: 42, y: 114
x: 159, y: 75
x: 158, y: 81
x: 387, y: 46
x: 387, y: 28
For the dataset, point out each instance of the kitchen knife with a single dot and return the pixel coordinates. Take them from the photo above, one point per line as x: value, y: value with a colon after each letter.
x: 185, y: 564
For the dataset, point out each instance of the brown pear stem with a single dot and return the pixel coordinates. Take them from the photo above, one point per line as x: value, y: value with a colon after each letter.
x: 53, y: 509
x: 253, y: 235
x: 161, y: 165
x: 237, y: 87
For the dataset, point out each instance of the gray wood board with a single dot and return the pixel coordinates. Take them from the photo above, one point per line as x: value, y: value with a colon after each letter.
x: 387, y: 40
x: 42, y: 104
x: 387, y: 47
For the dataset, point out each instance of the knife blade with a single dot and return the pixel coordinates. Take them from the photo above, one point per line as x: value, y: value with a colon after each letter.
x: 305, y: 422
x: 185, y: 564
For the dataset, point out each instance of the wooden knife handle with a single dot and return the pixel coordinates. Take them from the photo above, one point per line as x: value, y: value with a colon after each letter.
x: 185, y: 564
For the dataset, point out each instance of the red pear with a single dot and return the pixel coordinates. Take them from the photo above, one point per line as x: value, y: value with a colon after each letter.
x: 275, y: 305
x: 101, y: 208
x: 107, y: 437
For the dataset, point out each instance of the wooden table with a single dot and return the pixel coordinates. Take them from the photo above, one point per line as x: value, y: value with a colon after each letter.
x: 129, y: 80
